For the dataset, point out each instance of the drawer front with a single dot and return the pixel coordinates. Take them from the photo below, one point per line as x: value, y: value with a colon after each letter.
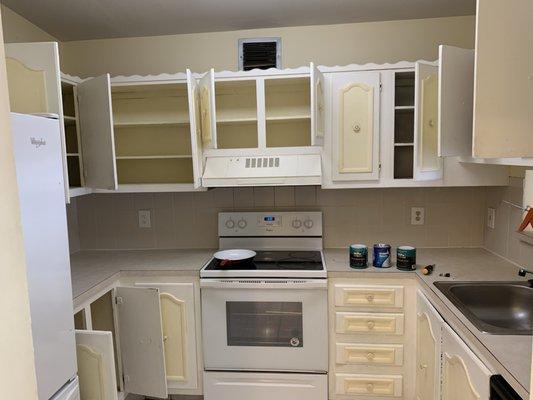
x: 369, y: 354
x: 368, y: 296
x: 368, y: 385
x: 382, y: 323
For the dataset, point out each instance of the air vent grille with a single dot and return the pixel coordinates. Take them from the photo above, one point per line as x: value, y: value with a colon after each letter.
x: 262, y: 162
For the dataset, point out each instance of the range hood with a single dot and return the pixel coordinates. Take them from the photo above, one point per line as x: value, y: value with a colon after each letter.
x: 268, y: 170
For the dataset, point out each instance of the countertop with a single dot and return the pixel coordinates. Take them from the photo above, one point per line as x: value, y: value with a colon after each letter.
x: 508, y: 355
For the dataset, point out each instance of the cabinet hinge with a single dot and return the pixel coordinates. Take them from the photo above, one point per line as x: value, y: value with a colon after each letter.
x: 119, y: 300
x: 380, y: 86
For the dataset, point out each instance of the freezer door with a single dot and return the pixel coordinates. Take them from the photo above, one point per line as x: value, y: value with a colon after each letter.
x: 37, y: 150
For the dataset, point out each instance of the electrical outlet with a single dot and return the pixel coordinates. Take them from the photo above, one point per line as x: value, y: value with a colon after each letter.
x: 418, y: 215
x: 491, y: 217
x: 145, y: 219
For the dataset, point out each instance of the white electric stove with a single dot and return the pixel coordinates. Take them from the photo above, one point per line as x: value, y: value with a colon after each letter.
x: 265, y: 321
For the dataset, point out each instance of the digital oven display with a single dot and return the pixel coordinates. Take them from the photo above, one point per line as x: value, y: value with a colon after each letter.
x: 269, y: 218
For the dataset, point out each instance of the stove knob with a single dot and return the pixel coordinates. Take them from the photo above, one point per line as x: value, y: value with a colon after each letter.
x: 296, y: 223
x: 242, y: 223
x: 230, y: 224
x: 308, y: 223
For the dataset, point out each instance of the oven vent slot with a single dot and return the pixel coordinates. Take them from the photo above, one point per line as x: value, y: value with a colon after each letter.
x: 262, y: 162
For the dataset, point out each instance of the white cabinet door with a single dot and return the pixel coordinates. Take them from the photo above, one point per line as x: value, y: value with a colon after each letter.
x: 208, y: 119
x: 34, y: 79
x: 96, y: 365
x: 464, y: 376
x: 196, y: 129
x: 96, y: 131
x: 355, y: 126
x: 141, y: 341
x: 456, y: 101
x: 179, y: 333
x: 428, y: 347
x: 428, y: 164
x: 503, y: 97
x: 318, y: 110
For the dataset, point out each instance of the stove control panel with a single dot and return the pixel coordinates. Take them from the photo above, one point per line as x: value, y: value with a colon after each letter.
x: 270, y: 223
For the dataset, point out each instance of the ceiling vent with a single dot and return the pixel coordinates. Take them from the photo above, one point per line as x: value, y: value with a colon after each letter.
x: 261, y: 53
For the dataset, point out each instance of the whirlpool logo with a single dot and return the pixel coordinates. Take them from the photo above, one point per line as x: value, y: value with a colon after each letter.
x: 38, y: 142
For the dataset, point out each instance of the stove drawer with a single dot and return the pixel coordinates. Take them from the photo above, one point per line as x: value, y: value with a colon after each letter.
x: 378, y: 323
x: 368, y: 385
x: 347, y: 295
x: 264, y: 386
x: 369, y: 354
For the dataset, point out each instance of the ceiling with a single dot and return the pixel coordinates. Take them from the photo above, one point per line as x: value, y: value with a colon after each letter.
x: 98, y: 19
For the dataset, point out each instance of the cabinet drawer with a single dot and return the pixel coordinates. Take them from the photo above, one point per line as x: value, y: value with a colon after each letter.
x: 368, y: 296
x: 368, y: 385
x: 382, y: 323
x: 370, y: 354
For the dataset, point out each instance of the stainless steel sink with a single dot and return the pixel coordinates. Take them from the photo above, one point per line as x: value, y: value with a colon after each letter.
x: 503, y: 308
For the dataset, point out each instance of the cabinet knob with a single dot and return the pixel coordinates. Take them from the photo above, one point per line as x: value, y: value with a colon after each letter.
x: 370, y: 387
x: 370, y: 298
x: 356, y: 128
x: 422, y: 366
x: 370, y: 324
x: 431, y: 123
x: 370, y: 356
x: 165, y: 338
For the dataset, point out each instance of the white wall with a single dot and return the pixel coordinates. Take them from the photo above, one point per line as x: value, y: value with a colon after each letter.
x: 17, y: 371
x: 377, y: 42
x: 18, y: 29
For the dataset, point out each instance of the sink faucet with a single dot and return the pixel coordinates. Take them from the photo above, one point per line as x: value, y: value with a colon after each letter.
x: 524, y: 271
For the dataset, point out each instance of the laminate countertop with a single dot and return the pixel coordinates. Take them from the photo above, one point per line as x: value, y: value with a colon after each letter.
x: 509, y: 355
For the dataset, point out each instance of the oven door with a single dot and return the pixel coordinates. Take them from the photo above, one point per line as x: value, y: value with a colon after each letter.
x: 265, y: 325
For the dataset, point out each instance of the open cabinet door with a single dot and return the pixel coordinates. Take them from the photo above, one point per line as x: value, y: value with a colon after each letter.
x: 141, y: 341
x: 208, y: 119
x: 96, y: 132
x: 96, y: 365
x: 196, y: 129
x: 318, y: 109
x: 428, y: 165
x: 456, y: 101
x: 34, y: 79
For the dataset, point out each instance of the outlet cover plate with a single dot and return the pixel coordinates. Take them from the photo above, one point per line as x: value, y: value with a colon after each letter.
x: 418, y: 215
x: 491, y: 217
x: 145, y: 219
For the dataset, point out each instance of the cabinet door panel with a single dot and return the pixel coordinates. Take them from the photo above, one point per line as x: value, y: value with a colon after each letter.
x: 456, y: 101
x: 355, y: 126
x: 96, y: 365
x: 141, y: 341
x: 503, y: 97
x: 208, y: 120
x: 464, y: 376
x: 368, y: 385
x: 428, y: 164
x: 179, y: 333
x: 196, y: 129
x: 369, y: 354
x: 96, y: 131
x: 318, y: 110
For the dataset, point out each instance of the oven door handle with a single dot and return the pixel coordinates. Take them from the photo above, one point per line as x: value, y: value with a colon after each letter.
x: 300, y: 284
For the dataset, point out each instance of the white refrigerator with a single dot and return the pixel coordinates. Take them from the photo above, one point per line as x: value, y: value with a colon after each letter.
x: 37, y: 150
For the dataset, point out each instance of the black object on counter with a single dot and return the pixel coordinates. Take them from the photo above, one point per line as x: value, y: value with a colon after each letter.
x: 428, y: 269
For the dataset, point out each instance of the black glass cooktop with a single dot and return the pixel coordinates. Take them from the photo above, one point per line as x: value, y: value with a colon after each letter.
x: 274, y: 260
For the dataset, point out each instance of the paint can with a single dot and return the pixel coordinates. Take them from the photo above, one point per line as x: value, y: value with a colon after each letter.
x: 358, y: 256
x: 382, y: 255
x: 406, y: 258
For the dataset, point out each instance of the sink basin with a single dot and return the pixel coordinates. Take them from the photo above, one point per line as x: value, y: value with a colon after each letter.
x: 503, y: 308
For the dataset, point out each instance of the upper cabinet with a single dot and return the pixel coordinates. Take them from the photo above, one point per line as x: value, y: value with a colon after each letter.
x: 503, y: 100
x: 36, y: 86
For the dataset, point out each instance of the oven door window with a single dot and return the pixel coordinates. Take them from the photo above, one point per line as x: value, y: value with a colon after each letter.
x: 268, y: 324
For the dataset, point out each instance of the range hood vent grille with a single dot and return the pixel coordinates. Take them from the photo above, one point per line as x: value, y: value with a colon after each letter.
x: 262, y: 162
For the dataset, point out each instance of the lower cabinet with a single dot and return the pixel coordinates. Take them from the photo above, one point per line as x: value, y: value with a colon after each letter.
x: 446, y: 367
x: 144, y: 333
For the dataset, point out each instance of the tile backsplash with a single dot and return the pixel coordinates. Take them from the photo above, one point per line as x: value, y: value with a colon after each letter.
x: 503, y: 239
x: 453, y: 216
